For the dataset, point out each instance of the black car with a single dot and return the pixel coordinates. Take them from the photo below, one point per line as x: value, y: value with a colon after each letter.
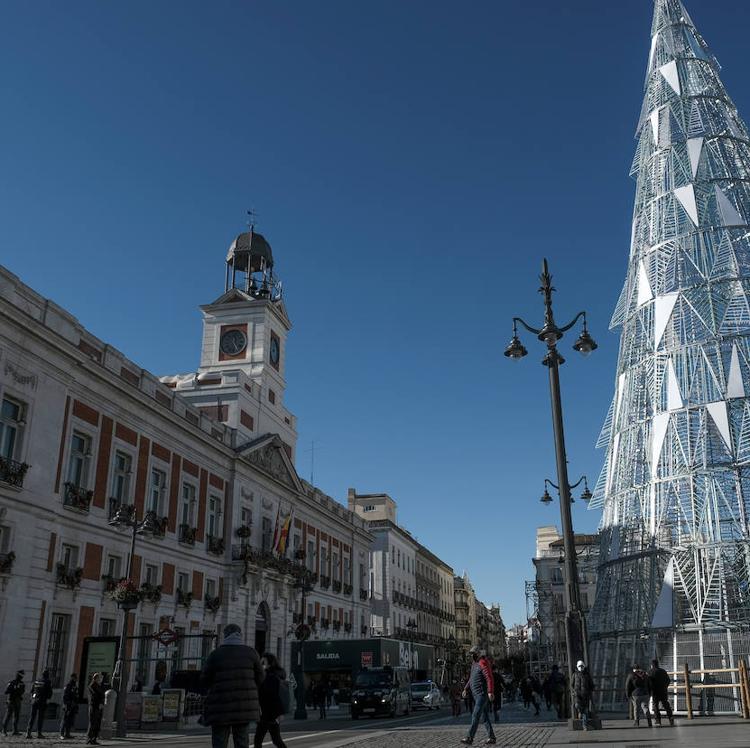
x: 381, y: 690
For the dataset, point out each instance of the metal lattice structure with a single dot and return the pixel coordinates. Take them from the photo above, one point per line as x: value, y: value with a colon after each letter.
x: 675, y: 489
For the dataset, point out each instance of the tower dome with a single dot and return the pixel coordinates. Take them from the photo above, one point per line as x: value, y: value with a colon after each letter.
x: 250, y: 267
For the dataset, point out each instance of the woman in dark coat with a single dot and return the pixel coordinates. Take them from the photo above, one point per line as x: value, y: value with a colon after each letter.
x: 272, y: 707
x: 96, y: 707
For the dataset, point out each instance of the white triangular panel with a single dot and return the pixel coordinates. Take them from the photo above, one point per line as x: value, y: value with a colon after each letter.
x: 674, y: 396
x: 671, y: 76
x: 654, y: 117
x: 654, y: 40
x: 658, y: 432
x: 718, y: 412
x: 620, y: 392
x: 613, y: 460
x: 663, y: 307
x: 664, y: 612
x: 644, y: 287
x: 729, y: 214
x: 735, y: 386
x: 695, y: 148
x: 686, y: 196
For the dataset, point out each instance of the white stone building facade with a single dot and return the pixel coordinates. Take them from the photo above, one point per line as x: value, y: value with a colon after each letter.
x: 85, y: 430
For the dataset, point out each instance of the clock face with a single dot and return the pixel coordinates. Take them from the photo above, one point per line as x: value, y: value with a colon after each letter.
x: 274, y: 351
x: 233, y: 342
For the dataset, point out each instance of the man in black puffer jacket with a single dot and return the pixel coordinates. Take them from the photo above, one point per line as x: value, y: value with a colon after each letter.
x: 232, y: 675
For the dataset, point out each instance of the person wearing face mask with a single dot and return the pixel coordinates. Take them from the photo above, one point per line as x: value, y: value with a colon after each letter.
x: 482, y: 688
x: 583, y: 691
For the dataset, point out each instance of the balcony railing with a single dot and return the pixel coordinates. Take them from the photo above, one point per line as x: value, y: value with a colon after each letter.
x: 151, y: 592
x: 336, y: 585
x: 77, y: 497
x: 12, y: 472
x: 183, y: 598
x: 325, y: 582
x: 160, y: 524
x: 6, y: 562
x: 212, y: 604
x: 348, y: 589
x: 363, y: 594
x: 187, y: 534
x: 215, y: 545
x: 70, y: 578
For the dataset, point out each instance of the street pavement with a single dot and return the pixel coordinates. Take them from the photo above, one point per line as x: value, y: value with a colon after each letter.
x: 518, y: 728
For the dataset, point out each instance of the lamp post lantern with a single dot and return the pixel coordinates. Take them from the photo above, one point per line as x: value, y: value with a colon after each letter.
x: 576, y: 643
x: 125, y: 518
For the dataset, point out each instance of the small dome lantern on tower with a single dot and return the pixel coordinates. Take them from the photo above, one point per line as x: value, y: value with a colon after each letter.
x: 250, y: 267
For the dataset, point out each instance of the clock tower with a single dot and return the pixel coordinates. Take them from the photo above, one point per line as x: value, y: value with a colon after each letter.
x: 241, y: 380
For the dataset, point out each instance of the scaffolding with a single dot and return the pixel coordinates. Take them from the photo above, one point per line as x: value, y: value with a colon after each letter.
x: 674, y: 573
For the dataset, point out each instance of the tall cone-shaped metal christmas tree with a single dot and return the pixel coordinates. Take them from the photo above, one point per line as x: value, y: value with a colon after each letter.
x: 675, y: 488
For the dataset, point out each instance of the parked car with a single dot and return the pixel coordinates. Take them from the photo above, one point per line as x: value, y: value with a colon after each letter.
x: 381, y: 690
x: 425, y: 695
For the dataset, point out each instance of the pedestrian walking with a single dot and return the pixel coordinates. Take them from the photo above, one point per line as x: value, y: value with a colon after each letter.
x: 41, y: 693
x: 638, y: 690
x: 527, y: 694
x: 321, y: 697
x: 231, y: 676
x: 274, y: 702
x: 558, y: 683
x: 482, y: 688
x: 497, y: 703
x: 547, y: 692
x: 455, y: 695
x: 96, y: 708
x: 70, y: 707
x: 583, y: 691
x: 14, y: 692
x: 660, y: 681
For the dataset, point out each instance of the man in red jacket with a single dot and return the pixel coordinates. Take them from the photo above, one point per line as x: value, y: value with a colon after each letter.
x: 482, y: 688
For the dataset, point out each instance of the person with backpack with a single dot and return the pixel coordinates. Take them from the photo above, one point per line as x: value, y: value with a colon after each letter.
x: 70, y: 707
x: 273, y: 695
x: 41, y: 693
x: 638, y: 690
x: 660, y: 682
x: 13, y: 697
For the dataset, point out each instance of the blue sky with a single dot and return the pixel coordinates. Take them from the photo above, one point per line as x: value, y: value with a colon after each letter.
x: 411, y: 164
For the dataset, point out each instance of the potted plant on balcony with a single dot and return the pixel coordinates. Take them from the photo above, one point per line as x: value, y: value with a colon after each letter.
x: 12, y: 472
x: 243, y: 531
x: 6, y: 562
x: 151, y: 592
x: 184, y: 599
x: 70, y: 578
x: 212, y: 604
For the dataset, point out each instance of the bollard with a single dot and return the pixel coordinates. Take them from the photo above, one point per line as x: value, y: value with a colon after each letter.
x: 108, y: 716
x: 688, y: 695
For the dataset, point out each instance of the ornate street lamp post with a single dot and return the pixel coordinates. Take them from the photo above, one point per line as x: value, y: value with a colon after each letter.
x: 304, y: 585
x: 576, y: 643
x: 125, y: 518
x: 411, y: 624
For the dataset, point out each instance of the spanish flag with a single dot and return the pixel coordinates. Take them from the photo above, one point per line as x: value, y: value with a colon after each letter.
x: 284, y: 535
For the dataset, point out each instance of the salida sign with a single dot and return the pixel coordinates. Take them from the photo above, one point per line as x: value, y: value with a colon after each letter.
x: 327, y: 656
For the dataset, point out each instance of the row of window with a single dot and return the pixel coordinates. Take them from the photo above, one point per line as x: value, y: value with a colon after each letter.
x: 122, y: 485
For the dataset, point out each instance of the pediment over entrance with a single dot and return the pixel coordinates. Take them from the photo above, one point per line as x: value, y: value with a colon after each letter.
x: 267, y: 453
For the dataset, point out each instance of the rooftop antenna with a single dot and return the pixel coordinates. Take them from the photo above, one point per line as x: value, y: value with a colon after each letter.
x: 312, y: 462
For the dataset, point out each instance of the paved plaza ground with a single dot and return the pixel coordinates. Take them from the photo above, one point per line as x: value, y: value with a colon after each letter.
x: 519, y: 728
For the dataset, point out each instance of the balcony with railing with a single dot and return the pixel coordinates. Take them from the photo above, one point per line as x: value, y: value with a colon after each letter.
x: 76, y: 497
x: 6, y: 562
x: 12, y: 472
x: 187, y: 534
x: 363, y: 594
x: 215, y: 545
